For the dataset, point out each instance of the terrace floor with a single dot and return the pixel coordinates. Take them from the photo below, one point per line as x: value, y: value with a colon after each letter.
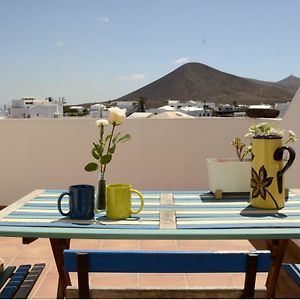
x: 14, y: 253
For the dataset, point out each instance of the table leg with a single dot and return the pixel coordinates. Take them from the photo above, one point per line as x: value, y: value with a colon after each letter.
x: 27, y: 241
x: 278, y: 249
x: 58, y: 246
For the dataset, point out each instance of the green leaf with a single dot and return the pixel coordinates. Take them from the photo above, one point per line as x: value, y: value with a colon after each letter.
x: 99, y: 148
x: 105, y: 159
x: 112, y: 149
x: 95, y: 153
x: 90, y: 167
x: 124, y: 138
x: 116, y: 137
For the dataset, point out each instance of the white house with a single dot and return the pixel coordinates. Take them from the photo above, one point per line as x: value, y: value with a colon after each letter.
x: 192, y: 108
x: 196, y: 111
x: 98, y: 110
x: 125, y: 104
x: 31, y: 107
x: 174, y: 104
x: 140, y: 115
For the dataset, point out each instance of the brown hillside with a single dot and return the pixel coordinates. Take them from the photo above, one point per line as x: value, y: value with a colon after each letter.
x: 195, y: 81
x: 292, y: 82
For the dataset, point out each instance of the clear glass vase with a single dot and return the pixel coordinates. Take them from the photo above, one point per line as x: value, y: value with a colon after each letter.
x: 100, y: 203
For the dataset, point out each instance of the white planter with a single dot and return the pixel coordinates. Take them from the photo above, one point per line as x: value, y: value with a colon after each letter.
x: 229, y: 175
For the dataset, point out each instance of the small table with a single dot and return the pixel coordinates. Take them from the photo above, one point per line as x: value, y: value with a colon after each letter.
x: 186, y: 215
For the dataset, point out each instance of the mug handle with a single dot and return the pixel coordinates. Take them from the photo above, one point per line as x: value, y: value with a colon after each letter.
x: 278, y: 154
x: 142, y: 201
x: 59, y: 205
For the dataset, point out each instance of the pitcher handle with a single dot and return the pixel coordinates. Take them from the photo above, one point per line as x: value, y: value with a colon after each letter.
x: 278, y: 154
x: 59, y: 205
x: 142, y: 201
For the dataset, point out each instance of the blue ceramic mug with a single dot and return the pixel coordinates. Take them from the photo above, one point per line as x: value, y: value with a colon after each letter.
x: 81, y: 202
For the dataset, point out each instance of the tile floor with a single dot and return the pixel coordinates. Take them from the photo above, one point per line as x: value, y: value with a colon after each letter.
x: 14, y: 253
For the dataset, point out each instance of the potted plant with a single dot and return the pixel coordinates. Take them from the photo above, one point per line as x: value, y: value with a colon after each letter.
x: 234, y: 174
x: 230, y: 174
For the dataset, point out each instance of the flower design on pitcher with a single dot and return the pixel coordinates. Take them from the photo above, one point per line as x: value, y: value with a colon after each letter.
x: 260, y: 182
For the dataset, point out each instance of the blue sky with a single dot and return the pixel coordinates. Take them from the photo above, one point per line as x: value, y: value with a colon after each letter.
x: 93, y: 50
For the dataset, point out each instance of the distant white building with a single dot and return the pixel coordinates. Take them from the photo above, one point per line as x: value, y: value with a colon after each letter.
x: 98, y: 110
x: 31, y: 107
x: 172, y: 115
x: 225, y: 109
x: 174, y: 104
x: 178, y: 104
x: 125, y: 104
x: 192, y: 108
x: 140, y: 115
x: 196, y: 111
x: 191, y: 103
x: 4, y: 112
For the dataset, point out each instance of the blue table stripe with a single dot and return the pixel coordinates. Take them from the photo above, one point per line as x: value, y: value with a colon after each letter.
x: 31, y: 215
x: 235, y: 226
x: 74, y: 225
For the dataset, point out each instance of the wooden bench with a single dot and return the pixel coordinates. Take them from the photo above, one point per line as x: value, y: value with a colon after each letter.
x: 19, y: 283
x: 84, y: 262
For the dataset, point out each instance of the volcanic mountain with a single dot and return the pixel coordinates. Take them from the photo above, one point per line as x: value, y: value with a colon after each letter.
x: 199, y: 82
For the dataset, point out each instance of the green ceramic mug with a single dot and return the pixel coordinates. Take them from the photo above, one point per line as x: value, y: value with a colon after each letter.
x: 118, y: 201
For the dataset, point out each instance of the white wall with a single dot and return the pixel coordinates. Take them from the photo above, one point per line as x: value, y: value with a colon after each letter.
x: 162, y: 155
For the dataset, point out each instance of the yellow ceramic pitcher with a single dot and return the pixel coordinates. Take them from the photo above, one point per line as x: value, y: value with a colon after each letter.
x: 267, y: 171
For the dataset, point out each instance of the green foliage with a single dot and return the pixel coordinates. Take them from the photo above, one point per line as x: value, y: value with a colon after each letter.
x: 240, y: 148
x: 262, y: 130
x: 103, y: 151
x: 95, y: 153
x: 105, y: 159
x: 124, y: 138
x: 90, y: 167
x: 141, y: 104
x: 112, y: 149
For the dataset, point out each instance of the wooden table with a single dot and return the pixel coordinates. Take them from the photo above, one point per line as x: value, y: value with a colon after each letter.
x: 186, y: 215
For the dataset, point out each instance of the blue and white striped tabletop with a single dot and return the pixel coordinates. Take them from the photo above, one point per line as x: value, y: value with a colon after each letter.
x: 41, y: 211
x: 162, y: 210
x: 203, y: 211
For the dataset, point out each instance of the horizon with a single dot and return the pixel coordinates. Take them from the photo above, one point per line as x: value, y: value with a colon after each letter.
x: 92, y: 51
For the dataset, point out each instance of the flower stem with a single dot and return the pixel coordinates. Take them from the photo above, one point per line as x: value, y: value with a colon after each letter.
x: 111, y: 136
x: 101, y: 144
x: 238, y: 153
x: 272, y: 199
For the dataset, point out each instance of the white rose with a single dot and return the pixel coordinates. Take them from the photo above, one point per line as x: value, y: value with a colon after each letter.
x: 116, y: 115
x: 101, y: 122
